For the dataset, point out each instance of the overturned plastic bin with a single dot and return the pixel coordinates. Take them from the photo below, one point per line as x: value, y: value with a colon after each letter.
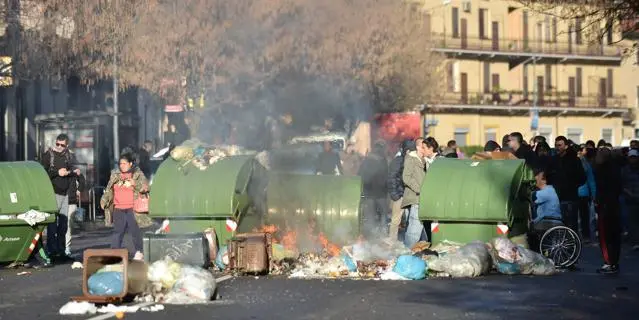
x: 24, y: 186
x: 191, y: 200
x: 467, y: 200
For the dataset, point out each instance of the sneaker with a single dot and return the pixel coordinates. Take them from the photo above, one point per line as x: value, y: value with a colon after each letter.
x: 608, y: 269
x: 139, y: 256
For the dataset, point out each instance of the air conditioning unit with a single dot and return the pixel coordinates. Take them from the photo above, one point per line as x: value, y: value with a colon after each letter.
x: 466, y: 6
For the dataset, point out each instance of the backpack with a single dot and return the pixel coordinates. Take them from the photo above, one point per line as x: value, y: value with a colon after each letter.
x: 67, y: 159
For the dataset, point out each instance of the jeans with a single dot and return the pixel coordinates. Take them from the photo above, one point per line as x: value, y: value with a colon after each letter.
x: 570, y: 215
x: 59, y: 232
x: 123, y: 223
x: 415, y: 230
x: 396, y: 218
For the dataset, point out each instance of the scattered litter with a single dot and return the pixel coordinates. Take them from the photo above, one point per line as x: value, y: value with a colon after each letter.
x: 24, y: 273
x: 78, y: 308
x: 174, y: 283
x: 471, y: 260
x: 154, y: 308
x: 410, y: 267
x: 391, y: 275
x: 512, y: 259
x: 77, y: 265
x: 111, y: 308
x: 108, y: 283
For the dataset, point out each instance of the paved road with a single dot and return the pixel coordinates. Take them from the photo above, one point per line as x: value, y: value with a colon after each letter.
x: 571, y: 295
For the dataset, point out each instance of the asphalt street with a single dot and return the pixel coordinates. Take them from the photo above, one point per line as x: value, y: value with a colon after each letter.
x: 581, y: 294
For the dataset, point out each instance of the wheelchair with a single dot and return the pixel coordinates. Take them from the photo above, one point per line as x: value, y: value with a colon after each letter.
x: 559, y: 243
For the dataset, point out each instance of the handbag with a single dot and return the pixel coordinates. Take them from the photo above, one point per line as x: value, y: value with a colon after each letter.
x: 141, y: 204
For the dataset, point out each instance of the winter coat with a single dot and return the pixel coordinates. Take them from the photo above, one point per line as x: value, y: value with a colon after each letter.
x: 588, y: 189
x: 374, y: 170
x: 107, y: 198
x: 413, y: 177
x: 525, y: 152
x: 394, y: 181
x: 52, y: 162
x: 567, y: 175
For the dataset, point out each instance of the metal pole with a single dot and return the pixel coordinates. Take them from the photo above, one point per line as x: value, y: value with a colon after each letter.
x: 116, y: 129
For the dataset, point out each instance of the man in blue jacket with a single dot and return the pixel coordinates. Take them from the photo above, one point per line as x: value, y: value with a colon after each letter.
x: 587, y: 193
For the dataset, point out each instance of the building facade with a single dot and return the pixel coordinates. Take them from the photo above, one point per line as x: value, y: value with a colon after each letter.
x: 511, y: 69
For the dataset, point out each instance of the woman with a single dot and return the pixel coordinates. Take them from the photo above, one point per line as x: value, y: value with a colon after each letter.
x: 124, y: 187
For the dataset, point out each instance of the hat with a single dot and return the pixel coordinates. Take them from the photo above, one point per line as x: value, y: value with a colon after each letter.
x: 633, y: 153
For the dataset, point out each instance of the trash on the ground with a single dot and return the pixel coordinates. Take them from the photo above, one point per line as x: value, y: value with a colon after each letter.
x: 78, y: 308
x: 195, y: 283
x: 410, y: 267
x: 222, y: 259
x: 24, y: 273
x: 174, y: 283
x: 512, y: 259
x: 391, y: 275
x: 164, y: 272
x: 154, y: 308
x: 108, y: 283
x: 111, y: 308
x: 471, y: 260
x: 420, y: 246
x: 77, y: 265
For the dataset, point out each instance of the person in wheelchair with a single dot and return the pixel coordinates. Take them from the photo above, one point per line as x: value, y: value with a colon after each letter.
x: 547, y: 213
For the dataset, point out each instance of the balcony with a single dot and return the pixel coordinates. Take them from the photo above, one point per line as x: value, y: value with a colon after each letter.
x: 518, y: 100
x: 510, y: 49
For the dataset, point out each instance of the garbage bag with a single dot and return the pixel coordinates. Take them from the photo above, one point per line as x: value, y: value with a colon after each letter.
x: 410, y: 267
x: 508, y: 268
x: 109, y: 283
x: 222, y: 259
x: 78, y: 308
x: 195, y: 283
x: 512, y: 259
x: 471, y: 260
x: 505, y: 250
x: 165, y: 272
x: 349, y: 263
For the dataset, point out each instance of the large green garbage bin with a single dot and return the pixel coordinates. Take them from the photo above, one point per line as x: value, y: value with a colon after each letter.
x: 23, y: 186
x: 330, y: 202
x: 470, y: 200
x: 194, y: 200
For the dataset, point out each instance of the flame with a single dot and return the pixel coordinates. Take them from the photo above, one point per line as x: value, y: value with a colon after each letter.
x: 331, y: 248
x: 289, y: 240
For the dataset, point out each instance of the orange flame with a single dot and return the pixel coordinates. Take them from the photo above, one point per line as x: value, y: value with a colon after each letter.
x: 331, y: 248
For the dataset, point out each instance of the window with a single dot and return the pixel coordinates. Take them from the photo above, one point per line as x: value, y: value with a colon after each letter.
x: 606, y: 134
x: 609, y: 83
x: 490, y: 134
x: 574, y: 134
x: 461, y: 136
x: 609, y: 34
x: 548, y: 77
x: 482, y: 23
x: 554, y: 30
x: 578, y: 31
x: 546, y: 132
x: 578, y: 89
x: 547, y: 37
x: 525, y: 31
x: 525, y: 82
x: 450, y: 77
x: 496, y: 84
x: 455, y: 22
x: 486, y: 77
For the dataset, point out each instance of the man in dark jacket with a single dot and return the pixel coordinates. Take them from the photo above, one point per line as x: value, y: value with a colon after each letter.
x: 328, y: 162
x: 569, y: 174
x: 59, y: 164
x: 374, y: 170
x: 609, y: 188
x: 521, y: 149
x: 395, y: 186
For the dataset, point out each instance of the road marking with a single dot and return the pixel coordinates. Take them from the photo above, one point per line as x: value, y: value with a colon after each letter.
x: 146, y: 304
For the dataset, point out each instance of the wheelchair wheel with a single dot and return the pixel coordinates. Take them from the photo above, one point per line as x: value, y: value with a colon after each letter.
x: 562, y: 245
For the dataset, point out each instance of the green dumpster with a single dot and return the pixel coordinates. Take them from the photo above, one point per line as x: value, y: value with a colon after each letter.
x: 331, y: 203
x: 194, y: 200
x: 468, y: 200
x: 23, y: 186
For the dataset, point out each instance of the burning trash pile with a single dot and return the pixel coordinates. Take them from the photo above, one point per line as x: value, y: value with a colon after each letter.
x: 387, y: 260
x: 193, y: 152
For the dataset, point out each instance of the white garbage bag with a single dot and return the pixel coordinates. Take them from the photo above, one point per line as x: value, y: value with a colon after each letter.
x: 194, y: 285
x: 78, y: 308
x: 166, y: 272
x: 471, y: 260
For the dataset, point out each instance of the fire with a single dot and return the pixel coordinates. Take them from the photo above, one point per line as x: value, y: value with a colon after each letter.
x: 289, y: 239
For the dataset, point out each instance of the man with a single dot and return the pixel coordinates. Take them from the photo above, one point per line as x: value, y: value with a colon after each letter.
x: 351, y: 160
x: 373, y: 171
x: 630, y: 183
x: 59, y: 163
x: 609, y: 188
x: 452, y: 145
x: 586, y: 192
x: 634, y: 144
x: 548, y: 209
x: 568, y: 174
x: 328, y: 162
x: 395, y: 186
x: 413, y: 177
x: 590, y: 144
x: 520, y: 149
x: 144, y: 158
